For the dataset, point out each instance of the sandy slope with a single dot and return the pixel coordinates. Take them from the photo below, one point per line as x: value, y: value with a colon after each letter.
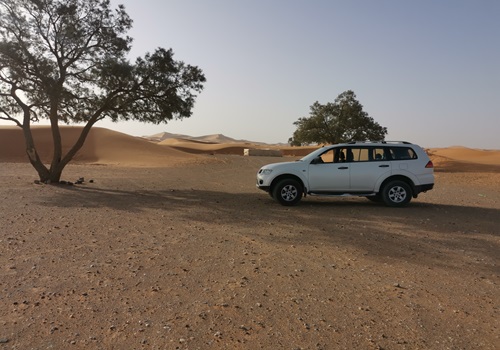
x: 111, y: 147
x: 465, y: 159
x: 102, y: 146
x: 193, y: 256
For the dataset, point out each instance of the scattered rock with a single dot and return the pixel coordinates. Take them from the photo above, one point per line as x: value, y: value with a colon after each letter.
x: 218, y: 335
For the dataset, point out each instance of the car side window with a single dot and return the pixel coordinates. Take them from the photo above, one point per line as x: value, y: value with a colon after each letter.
x: 328, y: 156
x: 402, y: 153
x: 340, y: 155
x: 362, y: 154
x: 334, y: 155
x: 366, y: 154
x: 349, y: 156
x: 369, y: 154
x: 378, y: 154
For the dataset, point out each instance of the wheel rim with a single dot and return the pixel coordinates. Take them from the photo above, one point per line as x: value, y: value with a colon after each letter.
x: 289, y: 193
x: 397, y: 194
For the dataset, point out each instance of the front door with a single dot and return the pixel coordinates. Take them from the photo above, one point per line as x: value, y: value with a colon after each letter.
x: 330, y: 173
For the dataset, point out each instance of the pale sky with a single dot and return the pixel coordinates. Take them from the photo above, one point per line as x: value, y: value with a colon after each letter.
x: 427, y: 70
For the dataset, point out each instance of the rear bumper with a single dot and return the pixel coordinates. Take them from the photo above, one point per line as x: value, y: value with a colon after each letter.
x: 423, y: 188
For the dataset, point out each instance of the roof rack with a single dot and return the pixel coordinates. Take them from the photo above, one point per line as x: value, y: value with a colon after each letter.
x: 403, y: 142
x: 385, y: 142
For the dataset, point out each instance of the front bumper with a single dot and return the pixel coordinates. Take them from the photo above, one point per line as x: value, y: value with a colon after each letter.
x: 264, y: 188
x: 260, y: 185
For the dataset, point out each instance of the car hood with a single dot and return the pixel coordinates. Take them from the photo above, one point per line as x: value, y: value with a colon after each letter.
x: 283, y: 165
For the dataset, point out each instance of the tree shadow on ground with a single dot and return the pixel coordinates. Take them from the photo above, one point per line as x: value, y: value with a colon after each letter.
x: 443, y: 234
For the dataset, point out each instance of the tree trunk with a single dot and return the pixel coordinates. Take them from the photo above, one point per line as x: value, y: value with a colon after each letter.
x: 36, y: 162
x: 53, y: 175
x: 59, y: 162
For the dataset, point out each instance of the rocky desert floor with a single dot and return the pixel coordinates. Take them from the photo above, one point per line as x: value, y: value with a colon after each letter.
x: 195, y: 257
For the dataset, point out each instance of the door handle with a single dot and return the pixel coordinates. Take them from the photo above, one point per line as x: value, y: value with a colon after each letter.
x: 343, y: 167
x: 383, y: 166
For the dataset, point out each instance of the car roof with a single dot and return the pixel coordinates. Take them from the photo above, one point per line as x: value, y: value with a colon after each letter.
x: 375, y: 143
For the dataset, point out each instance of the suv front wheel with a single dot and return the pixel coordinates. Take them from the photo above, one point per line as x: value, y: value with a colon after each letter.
x: 396, y: 193
x: 288, y: 192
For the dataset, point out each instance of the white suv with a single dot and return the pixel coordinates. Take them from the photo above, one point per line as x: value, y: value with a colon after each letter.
x: 388, y: 171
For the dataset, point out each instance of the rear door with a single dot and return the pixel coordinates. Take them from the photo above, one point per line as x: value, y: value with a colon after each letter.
x: 368, y: 164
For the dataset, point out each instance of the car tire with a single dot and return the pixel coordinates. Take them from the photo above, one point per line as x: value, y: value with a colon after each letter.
x: 396, y: 194
x: 288, y: 192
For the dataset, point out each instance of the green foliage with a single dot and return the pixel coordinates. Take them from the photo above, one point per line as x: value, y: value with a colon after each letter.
x: 66, y: 61
x: 341, y: 121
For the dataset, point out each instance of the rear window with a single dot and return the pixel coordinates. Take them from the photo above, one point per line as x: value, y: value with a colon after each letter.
x: 402, y: 153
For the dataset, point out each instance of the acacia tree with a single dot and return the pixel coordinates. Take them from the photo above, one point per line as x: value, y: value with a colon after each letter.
x: 66, y: 61
x: 341, y: 121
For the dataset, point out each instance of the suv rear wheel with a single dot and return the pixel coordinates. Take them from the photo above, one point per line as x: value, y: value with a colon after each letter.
x: 288, y: 192
x: 396, y: 193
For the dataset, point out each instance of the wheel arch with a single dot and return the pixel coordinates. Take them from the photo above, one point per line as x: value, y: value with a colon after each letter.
x: 286, y: 176
x: 400, y: 178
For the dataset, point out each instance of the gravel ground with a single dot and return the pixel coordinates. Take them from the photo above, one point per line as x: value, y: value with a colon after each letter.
x: 195, y: 257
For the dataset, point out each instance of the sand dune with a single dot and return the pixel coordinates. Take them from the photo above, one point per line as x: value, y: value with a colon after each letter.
x: 465, y: 159
x: 467, y: 154
x: 196, y: 146
x: 214, y: 138
x: 104, y: 146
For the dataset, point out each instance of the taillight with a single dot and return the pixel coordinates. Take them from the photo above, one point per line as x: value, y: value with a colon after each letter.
x: 429, y: 164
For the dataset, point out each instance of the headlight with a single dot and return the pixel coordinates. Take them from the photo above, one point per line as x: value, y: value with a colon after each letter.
x: 265, y: 171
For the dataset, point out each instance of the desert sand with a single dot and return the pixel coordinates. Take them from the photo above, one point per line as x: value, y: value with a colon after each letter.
x: 169, y: 245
